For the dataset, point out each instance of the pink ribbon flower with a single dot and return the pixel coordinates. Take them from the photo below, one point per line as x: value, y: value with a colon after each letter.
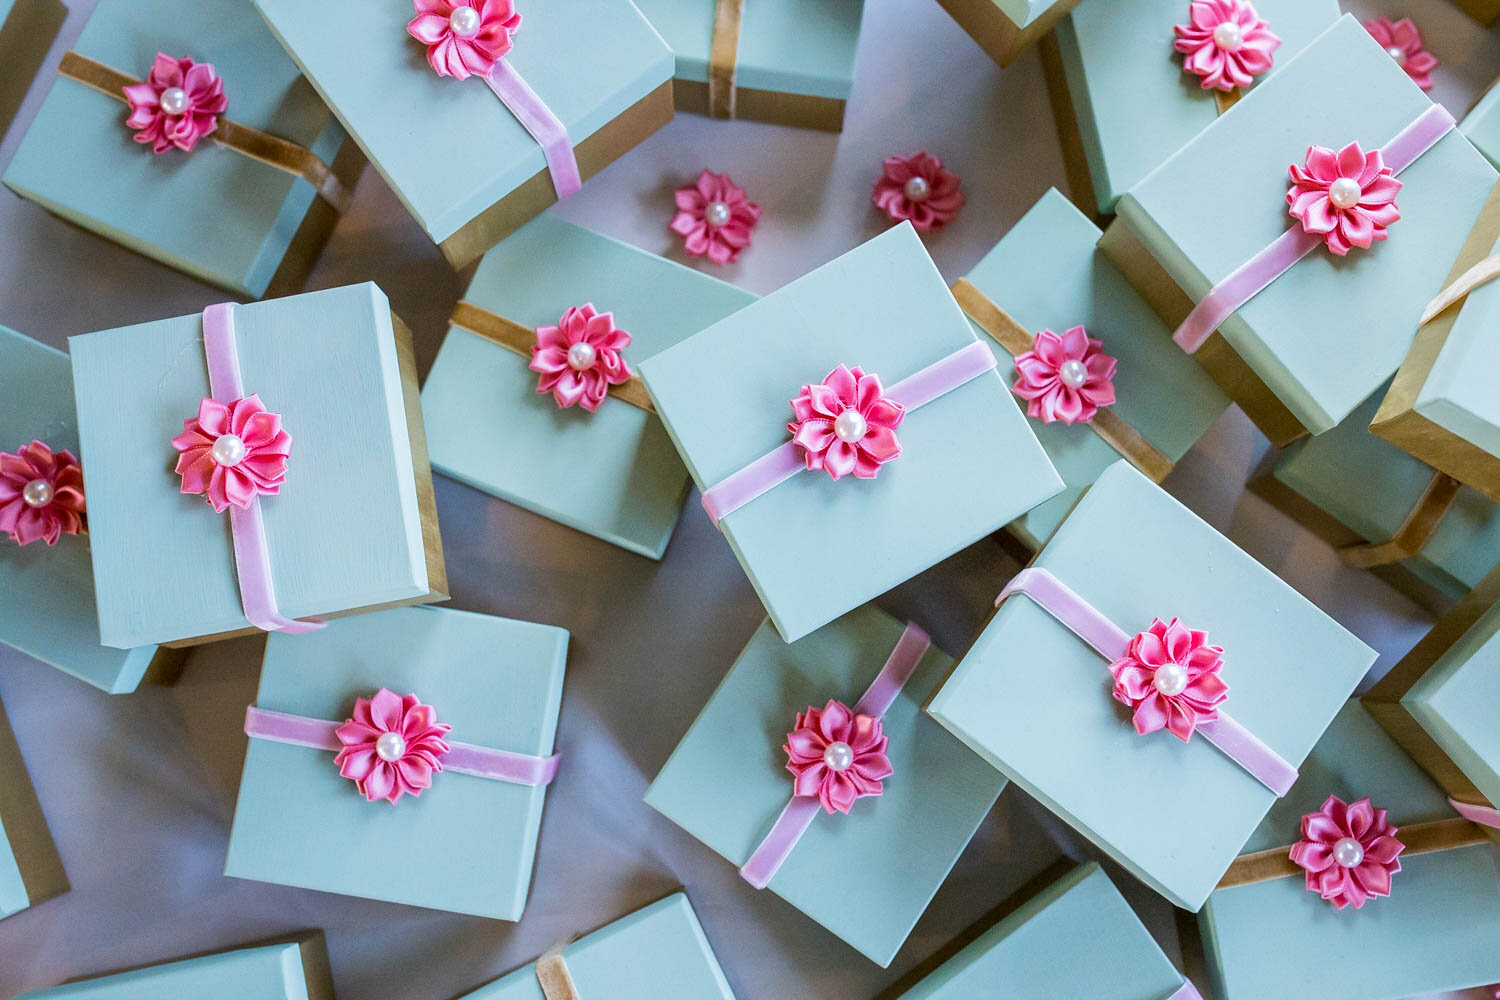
x: 233, y: 453
x: 919, y: 189
x: 1348, y: 197
x: 1349, y: 852
x: 1065, y: 378
x: 714, y: 218
x: 837, y: 755
x: 847, y: 424
x: 177, y: 105
x: 579, y: 358
x: 1170, y: 676
x: 392, y: 746
x: 464, y: 37
x: 1226, y: 43
x: 1402, y: 41
x: 41, y: 494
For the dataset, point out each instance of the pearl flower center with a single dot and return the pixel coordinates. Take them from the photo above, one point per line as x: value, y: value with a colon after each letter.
x: 1344, y: 192
x: 229, y: 450
x: 1171, y: 679
x: 1073, y: 373
x: 917, y: 189
x: 1349, y: 853
x: 850, y: 426
x: 717, y: 214
x: 37, y: 493
x: 1229, y: 36
x: 174, y: 100
x: 391, y: 747
x: 838, y: 757
x: 464, y: 22
x: 581, y: 356
x: 1397, y: 53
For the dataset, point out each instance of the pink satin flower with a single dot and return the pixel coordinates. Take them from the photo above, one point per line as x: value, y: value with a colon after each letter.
x: 847, y: 424
x: 233, y: 453
x: 714, y: 218
x: 579, y: 358
x: 464, y: 37
x: 1170, y: 676
x: 1226, y: 43
x: 1348, y: 197
x: 177, y: 105
x: 1349, y: 852
x: 837, y: 755
x: 1065, y: 378
x: 1402, y: 41
x: 41, y: 494
x: 917, y: 188
x: 392, y: 746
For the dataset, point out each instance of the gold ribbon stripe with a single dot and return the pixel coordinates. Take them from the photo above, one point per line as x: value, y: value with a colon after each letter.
x: 1420, y: 838
x: 553, y: 977
x: 1226, y: 99
x: 1415, y: 532
x: 723, y: 56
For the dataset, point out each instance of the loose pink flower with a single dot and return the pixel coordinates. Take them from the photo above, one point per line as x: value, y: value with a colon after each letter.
x: 1402, y: 41
x: 919, y: 189
x: 392, y: 746
x: 837, y: 755
x: 1065, y: 378
x: 1170, y: 676
x: 464, y: 37
x: 1348, y: 197
x: 233, y: 453
x: 579, y: 358
x: 847, y: 424
x: 179, y: 103
x: 41, y: 494
x: 1226, y: 43
x: 714, y: 218
x: 1349, y: 852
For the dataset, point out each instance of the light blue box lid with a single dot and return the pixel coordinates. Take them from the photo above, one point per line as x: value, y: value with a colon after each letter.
x: 1439, y: 930
x: 466, y: 844
x: 866, y: 876
x: 614, y: 473
x: 1482, y: 125
x: 268, y: 972
x: 13, y: 895
x: 969, y: 463
x: 1329, y: 331
x: 216, y: 214
x: 1454, y: 701
x: 1024, y: 12
x: 1135, y: 553
x: 449, y: 148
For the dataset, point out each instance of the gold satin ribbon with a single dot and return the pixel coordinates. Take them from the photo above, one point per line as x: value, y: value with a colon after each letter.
x: 1226, y: 99
x: 519, y: 340
x: 553, y: 976
x: 1486, y: 270
x: 268, y: 149
x: 1016, y: 340
x: 1420, y: 838
x: 723, y: 55
x: 1415, y: 532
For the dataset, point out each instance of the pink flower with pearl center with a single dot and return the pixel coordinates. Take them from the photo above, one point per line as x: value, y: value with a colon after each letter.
x: 714, y: 218
x: 1402, y: 41
x: 1347, y: 197
x: 41, y: 494
x: 177, y: 105
x: 1170, y: 676
x: 579, y: 358
x: 1349, y: 852
x: 1065, y: 378
x: 1226, y: 43
x: 846, y: 424
x: 917, y: 188
x: 464, y: 37
x: 233, y: 452
x: 392, y: 746
x: 837, y: 755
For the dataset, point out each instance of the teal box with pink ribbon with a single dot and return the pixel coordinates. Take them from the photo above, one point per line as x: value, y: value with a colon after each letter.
x: 289, y: 970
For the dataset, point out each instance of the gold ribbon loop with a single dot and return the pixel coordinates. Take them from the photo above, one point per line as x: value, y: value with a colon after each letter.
x: 1485, y: 271
x: 1420, y: 838
x: 1415, y: 532
x: 723, y: 56
x: 553, y: 976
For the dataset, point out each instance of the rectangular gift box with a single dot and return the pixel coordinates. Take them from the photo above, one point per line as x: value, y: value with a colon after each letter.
x: 216, y: 213
x: 968, y: 463
x: 1006, y: 28
x: 466, y: 844
x: 598, y: 65
x: 1482, y: 123
x: 612, y: 473
x: 30, y: 870
x: 27, y: 28
x: 866, y: 876
x: 286, y: 970
x: 354, y: 527
x: 1134, y: 553
x: 1438, y: 930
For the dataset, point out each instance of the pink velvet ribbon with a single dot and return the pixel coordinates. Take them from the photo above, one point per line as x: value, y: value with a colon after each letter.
x: 1257, y: 274
x: 1483, y: 815
x: 771, y: 470
x: 1109, y: 641
x: 545, y: 127
x: 800, y: 811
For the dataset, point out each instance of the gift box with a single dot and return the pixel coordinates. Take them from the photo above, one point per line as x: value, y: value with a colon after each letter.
x: 30, y: 870
x: 348, y: 525
x: 219, y: 211
x: 1130, y: 553
x: 658, y: 951
x: 1265, y: 934
x: 1006, y: 28
x: 1482, y: 123
x: 916, y: 485
x: 27, y: 28
x: 592, y: 77
x: 327, y: 806
x: 1302, y: 353
x: 775, y: 61
x: 865, y: 876
x: 612, y: 471
x: 287, y: 970
x: 1047, y: 274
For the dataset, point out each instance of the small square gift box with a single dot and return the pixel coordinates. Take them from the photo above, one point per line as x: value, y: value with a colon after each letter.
x: 1135, y: 596
x: 253, y: 466
x: 843, y: 706
x: 911, y: 440
x: 1309, y: 225
x: 534, y: 398
x: 237, y: 172
x: 1006, y: 28
x: 423, y: 734
x: 30, y: 870
x: 27, y: 28
x: 1482, y: 123
x: 531, y: 99
x: 1361, y: 884
x: 1093, y: 357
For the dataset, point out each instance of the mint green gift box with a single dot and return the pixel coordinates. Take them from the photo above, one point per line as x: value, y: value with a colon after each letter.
x: 30, y: 870
x: 969, y: 463
x: 1006, y: 28
x: 613, y: 473
x: 466, y: 844
x: 866, y: 876
x: 1134, y: 553
x: 1482, y: 125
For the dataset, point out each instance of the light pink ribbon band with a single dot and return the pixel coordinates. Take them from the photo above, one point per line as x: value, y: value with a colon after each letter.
x: 802, y: 809
x: 1483, y: 815
x: 545, y: 127
x: 1109, y: 641
x: 1187, y: 991
x: 771, y: 470
x: 1242, y: 285
x: 461, y: 758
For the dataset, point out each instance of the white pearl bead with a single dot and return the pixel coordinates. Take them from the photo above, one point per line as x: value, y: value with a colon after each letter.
x: 581, y: 356
x: 1397, y: 53
x: 1073, y: 373
x: 917, y: 189
x: 174, y: 100
x: 1171, y: 679
x: 717, y: 214
x: 1344, y: 192
x: 1348, y: 853
x: 37, y: 493
x: 1229, y: 36
x: 838, y: 756
x: 390, y: 747
x: 464, y: 22
x: 229, y: 450
x: 850, y: 426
